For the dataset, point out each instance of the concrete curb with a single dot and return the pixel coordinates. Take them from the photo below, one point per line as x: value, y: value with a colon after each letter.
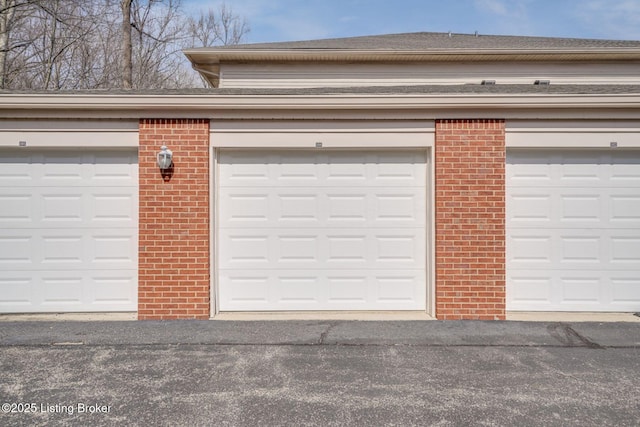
x: 316, y: 332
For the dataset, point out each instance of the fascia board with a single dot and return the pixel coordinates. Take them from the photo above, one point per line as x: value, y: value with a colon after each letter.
x: 150, y: 103
x: 216, y: 56
x: 199, y: 106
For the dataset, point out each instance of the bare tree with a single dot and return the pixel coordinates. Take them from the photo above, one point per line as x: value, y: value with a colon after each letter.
x: 127, y: 66
x: 11, y: 13
x: 7, y: 12
x: 64, y: 25
x: 73, y: 44
x: 159, y: 29
x: 217, y: 27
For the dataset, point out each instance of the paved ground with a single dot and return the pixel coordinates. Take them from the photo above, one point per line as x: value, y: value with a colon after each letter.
x: 195, y: 373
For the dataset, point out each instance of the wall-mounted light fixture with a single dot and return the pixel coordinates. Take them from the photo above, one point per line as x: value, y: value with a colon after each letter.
x: 164, y: 158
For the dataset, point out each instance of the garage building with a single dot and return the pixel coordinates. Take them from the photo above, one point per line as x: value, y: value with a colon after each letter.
x: 458, y: 176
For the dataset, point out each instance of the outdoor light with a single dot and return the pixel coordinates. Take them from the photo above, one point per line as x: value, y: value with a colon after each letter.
x: 164, y: 158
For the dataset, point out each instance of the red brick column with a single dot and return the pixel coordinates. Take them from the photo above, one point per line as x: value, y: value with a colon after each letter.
x: 470, y: 219
x: 173, y: 278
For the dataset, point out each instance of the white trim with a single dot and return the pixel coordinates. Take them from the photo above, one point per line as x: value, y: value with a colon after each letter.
x: 431, y: 233
x: 95, y: 139
x: 323, y: 315
x: 330, y: 134
x: 205, y: 56
x: 68, y: 133
x: 71, y: 125
x: 430, y: 241
x: 214, y: 308
x: 207, y: 104
x: 572, y: 134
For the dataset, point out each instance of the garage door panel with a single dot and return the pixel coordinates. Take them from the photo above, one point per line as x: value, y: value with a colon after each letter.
x: 606, y: 207
x: 322, y: 230
x: 580, y: 207
x: 89, y: 207
x: 53, y: 168
x: 113, y: 248
x: 115, y: 168
x: 299, y: 169
x: 625, y: 169
x: 556, y: 291
x: 337, y: 248
x: 63, y: 207
x: 624, y: 208
x: 17, y: 247
x: 572, y: 169
x: 63, y: 288
x: 245, y: 290
x: 53, y: 249
x: 625, y: 248
x: 530, y: 248
x: 113, y: 289
x: 75, y: 216
x: 62, y: 249
x: 529, y: 289
x: 613, y: 290
x: 244, y: 207
x: 575, y: 249
x: 625, y: 290
x: 573, y: 208
x: 112, y: 209
x: 62, y: 169
x: 67, y: 290
x: 530, y: 208
x: 323, y: 207
x: 309, y: 289
x: 581, y: 289
x: 16, y: 207
x: 12, y: 170
x: 573, y: 235
x: 16, y: 291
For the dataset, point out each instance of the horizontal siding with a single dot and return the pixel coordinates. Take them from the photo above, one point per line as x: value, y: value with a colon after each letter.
x: 346, y: 75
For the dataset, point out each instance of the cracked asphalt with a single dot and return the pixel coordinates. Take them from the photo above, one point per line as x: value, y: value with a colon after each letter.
x: 249, y: 373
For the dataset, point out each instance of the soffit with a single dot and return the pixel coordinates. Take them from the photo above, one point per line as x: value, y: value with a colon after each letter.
x: 213, y: 56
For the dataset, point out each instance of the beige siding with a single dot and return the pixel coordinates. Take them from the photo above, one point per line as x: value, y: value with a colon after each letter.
x: 345, y: 75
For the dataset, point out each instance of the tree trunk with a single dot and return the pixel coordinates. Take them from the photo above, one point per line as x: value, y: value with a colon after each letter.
x: 127, y: 64
x: 7, y: 9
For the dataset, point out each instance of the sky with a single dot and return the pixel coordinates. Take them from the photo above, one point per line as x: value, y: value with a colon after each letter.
x: 289, y: 20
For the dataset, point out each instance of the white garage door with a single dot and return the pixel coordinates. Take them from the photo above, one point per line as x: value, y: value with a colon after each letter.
x: 322, y: 230
x: 573, y: 231
x: 68, y: 230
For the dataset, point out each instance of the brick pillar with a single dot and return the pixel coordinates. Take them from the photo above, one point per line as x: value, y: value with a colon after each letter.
x: 470, y: 219
x: 173, y: 277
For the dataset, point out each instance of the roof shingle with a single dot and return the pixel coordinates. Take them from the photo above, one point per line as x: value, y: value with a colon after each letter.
x: 427, y: 41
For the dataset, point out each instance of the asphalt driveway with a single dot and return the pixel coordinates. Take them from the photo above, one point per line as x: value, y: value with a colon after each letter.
x: 195, y: 373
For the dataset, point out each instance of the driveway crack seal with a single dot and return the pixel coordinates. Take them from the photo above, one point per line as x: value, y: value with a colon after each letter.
x: 570, y: 337
x: 324, y: 334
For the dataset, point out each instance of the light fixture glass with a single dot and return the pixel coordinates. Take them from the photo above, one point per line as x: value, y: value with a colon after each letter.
x: 164, y: 158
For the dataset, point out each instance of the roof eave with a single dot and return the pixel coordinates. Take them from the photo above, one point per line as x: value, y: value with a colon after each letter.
x: 204, y: 105
x: 208, y: 56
